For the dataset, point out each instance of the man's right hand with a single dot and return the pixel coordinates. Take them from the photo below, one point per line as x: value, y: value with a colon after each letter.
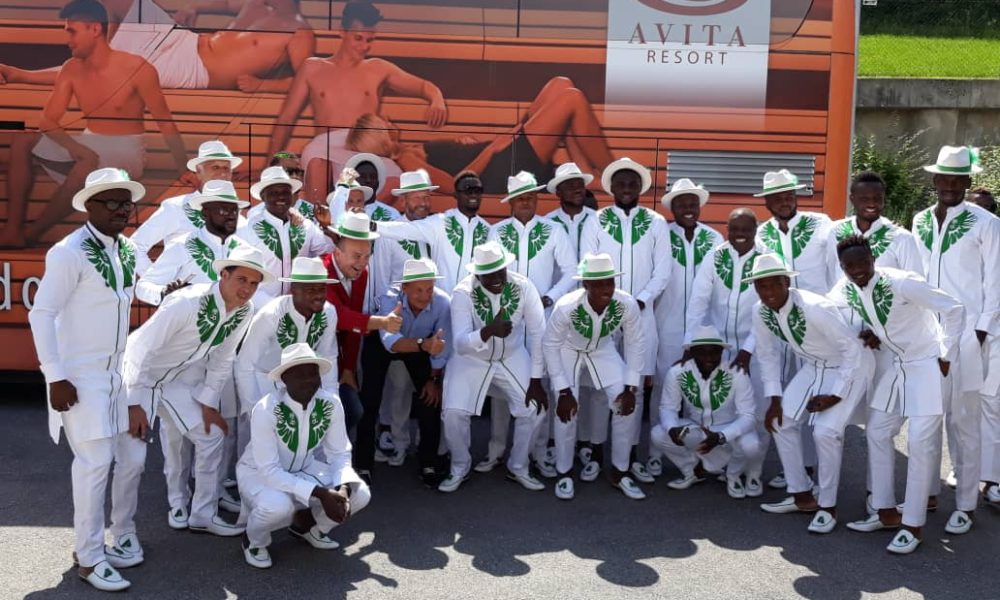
x: 675, y: 435
x: 945, y: 367
x: 567, y: 406
x: 62, y: 395
x: 335, y: 504
x: 393, y: 322
x: 869, y: 339
x: 173, y: 286
x: 499, y: 327
x: 773, y: 414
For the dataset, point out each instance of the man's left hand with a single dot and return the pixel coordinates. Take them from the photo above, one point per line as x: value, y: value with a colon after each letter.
x: 626, y: 402
x: 981, y: 336
x: 431, y: 393
x: 210, y: 416
x: 536, y: 393
x: 742, y: 361
x: 138, y: 424
x: 822, y: 402
x: 547, y: 302
x: 712, y: 441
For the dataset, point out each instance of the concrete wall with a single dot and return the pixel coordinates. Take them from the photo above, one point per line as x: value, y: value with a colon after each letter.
x: 952, y: 111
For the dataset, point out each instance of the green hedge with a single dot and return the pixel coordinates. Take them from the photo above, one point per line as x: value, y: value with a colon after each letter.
x: 952, y: 18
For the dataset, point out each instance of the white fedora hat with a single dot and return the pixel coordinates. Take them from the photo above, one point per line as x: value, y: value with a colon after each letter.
x: 596, y: 266
x: 376, y: 161
x: 956, y: 160
x: 213, y: 150
x: 419, y: 269
x: 297, y: 354
x: 685, y: 186
x: 308, y: 270
x: 217, y: 190
x: 414, y: 181
x: 102, y: 180
x: 567, y: 171
x: 522, y: 183
x: 769, y: 265
x: 488, y: 258
x: 626, y: 164
x: 356, y: 226
x: 275, y: 175
x: 247, y: 256
x: 706, y: 335
x: 779, y: 181
x: 354, y: 185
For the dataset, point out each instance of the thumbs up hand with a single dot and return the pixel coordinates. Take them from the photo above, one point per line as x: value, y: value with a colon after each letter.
x: 501, y: 326
x: 435, y: 344
x: 393, y: 322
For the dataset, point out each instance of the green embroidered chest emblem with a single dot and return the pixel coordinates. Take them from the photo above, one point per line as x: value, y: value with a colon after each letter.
x: 881, y: 239
x: 230, y: 325
x: 641, y: 224
x: 287, y: 426
x: 677, y: 249
x: 581, y: 321
x: 844, y: 230
x: 194, y: 216
x: 925, y: 228
x: 724, y: 267
x: 957, y: 229
x: 770, y: 319
x: 802, y: 233
x: 853, y: 298
x: 456, y: 235
x: 202, y: 256
x: 719, y: 389
x: 561, y: 222
x: 481, y: 304
x: 797, y: 324
x: 208, y: 317
x: 288, y: 332
x: 510, y: 299
x: 509, y: 238
x: 747, y: 271
x: 611, y: 224
x: 102, y: 263
x: 410, y: 247
x: 296, y: 239
x: 319, y: 421
x: 317, y: 327
x: 268, y: 236
x: 770, y: 237
x: 612, y: 317
x: 480, y: 234
x: 690, y: 389
x: 381, y: 214
x: 126, y: 254
x: 537, y: 239
x: 703, y: 243
x: 882, y: 297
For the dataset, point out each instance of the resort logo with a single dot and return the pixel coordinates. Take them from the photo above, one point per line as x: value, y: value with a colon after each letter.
x: 695, y: 8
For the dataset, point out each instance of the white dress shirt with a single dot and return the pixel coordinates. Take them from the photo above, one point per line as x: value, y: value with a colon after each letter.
x: 721, y: 299
x: 891, y: 245
x: 804, y: 248
x: 282, y: 241
x: 189, y: 259
x: 672, y: 306
x: 542, y: 251
x: 573, y: 225
x: 722, y: 402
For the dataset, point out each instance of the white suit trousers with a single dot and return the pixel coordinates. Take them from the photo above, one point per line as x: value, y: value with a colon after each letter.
x: 991, y: 437
x: 92, y: 462
x: 271, y: 510
x: 923, y: 447
x: 732, y: 457
x: 622, y: 430
x: 963, y: 421
x: 592, y: 415
x: 208, y: 451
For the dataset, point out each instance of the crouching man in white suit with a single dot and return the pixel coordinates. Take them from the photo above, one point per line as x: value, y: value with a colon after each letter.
x: 283, y: 483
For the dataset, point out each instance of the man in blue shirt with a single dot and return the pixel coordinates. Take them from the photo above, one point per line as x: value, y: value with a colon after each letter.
x: 421, y: 345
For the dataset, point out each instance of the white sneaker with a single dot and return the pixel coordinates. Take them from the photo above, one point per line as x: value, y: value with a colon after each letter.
x: 565, y: 490
x: 754, y: 488
x: 397, y: 458
x: 640, y: 473
x: 450, y: 484
x: 822, y: 522
x: 960, y: 522
x: 486, y: 465
x: 105, y: 578
x: 546, y: 469
x: 778, y: 482
x: 992, y: 494
x: 585, y: 455
x: 904, y: 542
x: 385, y: 443
x: 218, y: 526
x: 257, y: 557
x: 177, y: 518
x: 121, y: 559
x: 735, y: 489
x: 684, y: 482
x: 655, y: 466
x: 630, y: 489
x: 527, y: 481
x: 315, y: 538
x: 590, y: 471
x: 951, y: 481
x: 228, y: 502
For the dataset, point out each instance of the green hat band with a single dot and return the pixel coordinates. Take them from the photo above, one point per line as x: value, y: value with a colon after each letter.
x: 769, y: 272
x: 491, y: 265
x: 417, y: 276
x: 778, y: 188
x: 345, y: 231
x: 218, y: 155
x: 522, y: 189
x: 967, y: 170
x: 707, y: 341
x: 415, y: 186
x: 304, y: 277
x: 598, y: 274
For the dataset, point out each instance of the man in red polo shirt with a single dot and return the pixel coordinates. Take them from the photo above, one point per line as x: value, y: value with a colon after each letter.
x: 348, y: 263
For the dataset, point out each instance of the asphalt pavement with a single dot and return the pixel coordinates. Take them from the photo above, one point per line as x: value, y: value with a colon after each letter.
x: 492, y: 539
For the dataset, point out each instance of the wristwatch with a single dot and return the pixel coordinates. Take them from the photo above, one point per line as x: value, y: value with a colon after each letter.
x: 420, y: 344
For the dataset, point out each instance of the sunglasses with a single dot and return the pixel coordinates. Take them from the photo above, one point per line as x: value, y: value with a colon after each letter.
x: 223, y: 209
x: 115, y: 205
x: 472, y: 189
